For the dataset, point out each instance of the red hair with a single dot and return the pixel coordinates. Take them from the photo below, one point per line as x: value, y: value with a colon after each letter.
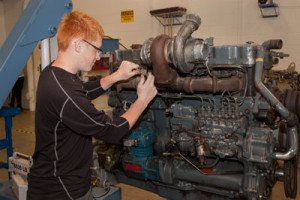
x: 78, y: 24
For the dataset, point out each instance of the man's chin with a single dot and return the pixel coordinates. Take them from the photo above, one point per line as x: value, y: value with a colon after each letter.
x: 87, y: 70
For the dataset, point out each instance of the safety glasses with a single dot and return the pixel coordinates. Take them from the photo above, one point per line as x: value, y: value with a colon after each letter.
x: 99, y: 51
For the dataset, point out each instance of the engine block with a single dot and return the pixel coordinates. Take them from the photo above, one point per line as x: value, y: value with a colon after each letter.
x: 214, y: 131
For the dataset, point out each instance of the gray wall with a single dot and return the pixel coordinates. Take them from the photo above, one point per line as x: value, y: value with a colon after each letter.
x: 2, y: 24
x: 10, y: 12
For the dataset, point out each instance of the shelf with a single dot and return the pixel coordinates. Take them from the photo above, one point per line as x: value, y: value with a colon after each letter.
x: 169, y: 17
x: 269, y: 10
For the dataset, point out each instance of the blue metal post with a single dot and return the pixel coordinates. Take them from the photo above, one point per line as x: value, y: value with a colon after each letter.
x: 39, y: 20
x: 8, y: 113
x: 8, y: 125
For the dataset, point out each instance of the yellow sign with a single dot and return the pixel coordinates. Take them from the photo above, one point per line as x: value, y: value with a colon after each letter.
x: 127, y: 16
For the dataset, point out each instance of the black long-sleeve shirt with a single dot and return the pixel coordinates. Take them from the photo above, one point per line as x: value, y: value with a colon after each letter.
x: 65, y: 122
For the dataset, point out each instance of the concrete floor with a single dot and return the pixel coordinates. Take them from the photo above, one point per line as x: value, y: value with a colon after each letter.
x: 24, y: 141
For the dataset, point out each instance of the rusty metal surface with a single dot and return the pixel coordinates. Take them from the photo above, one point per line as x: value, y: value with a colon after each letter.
x: 164, y: 75
x: 209, y: 84
x: 129, y: 84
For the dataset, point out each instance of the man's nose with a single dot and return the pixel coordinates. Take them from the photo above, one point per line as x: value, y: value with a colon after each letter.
x: 98, y: 56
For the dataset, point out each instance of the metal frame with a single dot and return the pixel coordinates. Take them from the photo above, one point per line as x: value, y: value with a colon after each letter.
x: 39, y: 20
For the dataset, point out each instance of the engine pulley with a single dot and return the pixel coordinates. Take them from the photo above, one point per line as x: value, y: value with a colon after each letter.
x: 290, y: 177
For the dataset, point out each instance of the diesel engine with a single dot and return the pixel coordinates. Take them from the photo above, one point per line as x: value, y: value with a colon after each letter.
x: 217, y: 129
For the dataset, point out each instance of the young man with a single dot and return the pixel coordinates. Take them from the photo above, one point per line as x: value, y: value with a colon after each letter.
x: 66, y: 120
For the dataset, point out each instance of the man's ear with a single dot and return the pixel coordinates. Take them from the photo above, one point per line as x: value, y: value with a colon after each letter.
x: 77, y: 45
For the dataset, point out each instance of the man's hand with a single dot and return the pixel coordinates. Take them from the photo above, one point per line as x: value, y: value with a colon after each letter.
x: 127, y: 70
x: 146, y: 90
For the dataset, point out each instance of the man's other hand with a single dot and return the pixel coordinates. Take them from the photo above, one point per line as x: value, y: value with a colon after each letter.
x: 146, y: 90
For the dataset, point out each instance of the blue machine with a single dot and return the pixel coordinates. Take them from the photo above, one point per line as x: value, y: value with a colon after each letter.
x: 140, y: 161
x: 110, y: 45
x: 39, y: 20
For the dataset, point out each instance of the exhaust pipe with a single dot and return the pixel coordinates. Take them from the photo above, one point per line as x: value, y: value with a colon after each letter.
x: 191, y: 24
x: 288, y: 116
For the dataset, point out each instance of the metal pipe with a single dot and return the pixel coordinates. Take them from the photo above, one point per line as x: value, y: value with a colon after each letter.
x: 53, y: 48
x: 272, y: 44
x: 289, y: 116
x: 293, y: 141
x: 208, y: 84
x: 189, y: 26
x: 251, y: 88
x: 191, y: 85
x: 263, y: 89
x: 45, y: 53
x: 231, y: 182
x: 130, y: 84
x: 268, y: 58
x: 213, y: 190
x: 31, y: 89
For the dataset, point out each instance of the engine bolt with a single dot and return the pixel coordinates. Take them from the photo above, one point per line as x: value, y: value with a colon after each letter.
x: 108, y: 158
x: 227, y: 135
x: 201, y: 124
x: 247, y: 111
